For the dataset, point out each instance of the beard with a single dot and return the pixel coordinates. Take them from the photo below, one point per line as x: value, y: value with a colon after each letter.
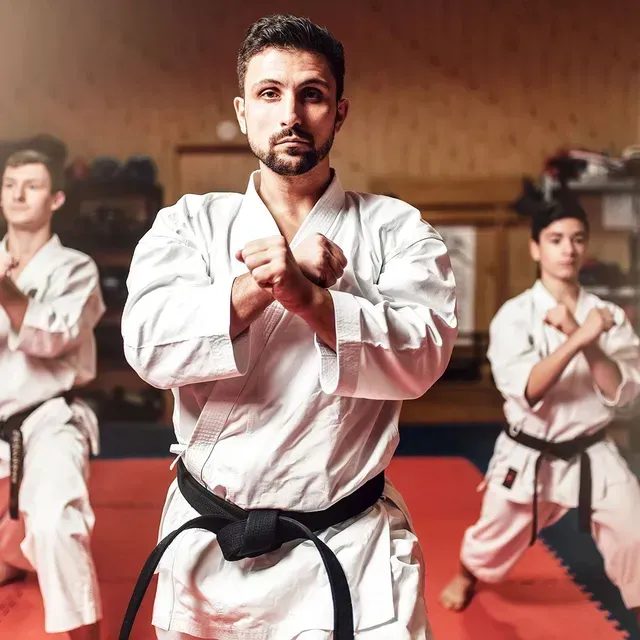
x: 292, y: 161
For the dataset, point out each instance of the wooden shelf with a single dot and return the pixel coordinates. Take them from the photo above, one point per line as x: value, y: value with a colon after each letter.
x: 628, y: 293
x: 479, y: 218
x: 455, y: 402
x: 598, y: 186
x: 114, y: 258
x: 110, y: 377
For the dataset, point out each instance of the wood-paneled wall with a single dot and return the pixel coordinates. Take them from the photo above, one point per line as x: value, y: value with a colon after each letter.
x: 439, y: 88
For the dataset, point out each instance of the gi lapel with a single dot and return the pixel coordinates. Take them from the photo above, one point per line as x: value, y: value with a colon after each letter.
x: 33, y: 279
x: 254, y: 221
x: 319, y: 220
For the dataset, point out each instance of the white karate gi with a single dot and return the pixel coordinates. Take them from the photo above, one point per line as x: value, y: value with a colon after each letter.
x: 574, y: 407
x: 276, y: 419
x: 53, y: 353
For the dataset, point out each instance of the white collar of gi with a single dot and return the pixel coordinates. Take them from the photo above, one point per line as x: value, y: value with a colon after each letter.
x: 53, y: 241
x: 320, y: 218
x: 545, y: 301
x: 40, y: 256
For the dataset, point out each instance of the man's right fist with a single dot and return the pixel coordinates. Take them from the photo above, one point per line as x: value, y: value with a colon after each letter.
x: 274, y: 269
x: 321, y: 260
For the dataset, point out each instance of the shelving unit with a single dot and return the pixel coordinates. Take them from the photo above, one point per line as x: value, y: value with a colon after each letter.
x: 106, y: 220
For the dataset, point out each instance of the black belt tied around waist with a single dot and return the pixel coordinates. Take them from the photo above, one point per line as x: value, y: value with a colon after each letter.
x: 564, y: 450
x: 11, y: 432
x: 250, y: 533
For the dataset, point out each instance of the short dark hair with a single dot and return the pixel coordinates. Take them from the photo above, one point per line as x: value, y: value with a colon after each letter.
x: 31, y: 156
x: 291, y: 33
x: 563, y: 205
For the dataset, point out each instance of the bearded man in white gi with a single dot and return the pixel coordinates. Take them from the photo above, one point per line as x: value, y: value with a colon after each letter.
x: 50, y: 302
x: 564, y: 360
x: 290, y: 322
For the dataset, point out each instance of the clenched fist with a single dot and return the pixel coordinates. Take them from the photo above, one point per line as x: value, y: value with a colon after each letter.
x: 274, y: 268
x: 6, y: 264
x: 321, y: 260
x: 561, y: 319
x: 597, y: 322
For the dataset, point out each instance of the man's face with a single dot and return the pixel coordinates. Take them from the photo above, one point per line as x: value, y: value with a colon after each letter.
x: 289, y: 113
x: 27, y: 200
x: 561, y: 249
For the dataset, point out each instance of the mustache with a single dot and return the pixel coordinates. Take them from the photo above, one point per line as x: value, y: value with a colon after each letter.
x: 293, y: 132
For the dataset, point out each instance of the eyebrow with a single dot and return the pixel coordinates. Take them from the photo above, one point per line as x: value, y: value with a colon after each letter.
x: 36, y: 181
x: 555, y: 234
x: 278, y: 83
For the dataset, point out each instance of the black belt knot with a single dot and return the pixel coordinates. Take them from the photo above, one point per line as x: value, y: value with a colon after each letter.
x: 564, y: 450
x: 250, y: 533
x: 250, y: 538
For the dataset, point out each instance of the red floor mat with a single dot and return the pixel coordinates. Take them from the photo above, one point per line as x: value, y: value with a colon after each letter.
x: 127, y: 496
x: 539, y: 601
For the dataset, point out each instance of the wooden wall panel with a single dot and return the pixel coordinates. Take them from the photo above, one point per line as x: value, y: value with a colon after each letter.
x: 487, y: 295
x: 441, y: 88
x: 522, y: 270
x: 198, y: 172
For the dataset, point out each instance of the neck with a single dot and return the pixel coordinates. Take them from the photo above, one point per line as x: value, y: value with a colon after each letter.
x: 291, y: 198
x: 564, y: 291
x: 23, y: 245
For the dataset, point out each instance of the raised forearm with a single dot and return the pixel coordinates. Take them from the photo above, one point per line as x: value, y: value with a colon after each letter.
x: 320, y: 316
x: 547, y: 372
x: 605, y: 372
x: 14, y: 302
x: 248, y: 301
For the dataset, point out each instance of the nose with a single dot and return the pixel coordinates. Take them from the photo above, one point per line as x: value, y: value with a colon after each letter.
x: 290, y: 116
x: 18, y: 194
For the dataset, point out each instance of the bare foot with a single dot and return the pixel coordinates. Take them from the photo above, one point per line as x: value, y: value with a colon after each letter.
x: 10, y: 574
x: 458, y: 593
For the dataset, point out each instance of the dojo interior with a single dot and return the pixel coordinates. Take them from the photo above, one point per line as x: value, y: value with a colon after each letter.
x: 453, y: 104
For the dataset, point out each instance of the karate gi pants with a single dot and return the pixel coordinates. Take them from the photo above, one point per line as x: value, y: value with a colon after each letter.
x: 493, y: 545
x: 52, y: 536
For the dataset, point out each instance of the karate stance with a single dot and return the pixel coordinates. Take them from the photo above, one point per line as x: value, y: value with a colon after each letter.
x: 563, y: 359
x: 291, y: 322
x: 50, y: 301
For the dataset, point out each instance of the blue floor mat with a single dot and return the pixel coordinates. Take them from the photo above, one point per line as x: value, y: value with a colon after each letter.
x: 574, y: 549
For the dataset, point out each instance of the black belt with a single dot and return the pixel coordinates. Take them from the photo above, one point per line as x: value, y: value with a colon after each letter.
x: 11, y: 432
x: 564, y: 450
x: 250, y: 533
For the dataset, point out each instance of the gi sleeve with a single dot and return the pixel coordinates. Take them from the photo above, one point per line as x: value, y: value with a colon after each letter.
x: 621, y: 344
x: 512, y: 353
x: 176, y: 321
x: 68, y: 311
x: 395, y: 349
